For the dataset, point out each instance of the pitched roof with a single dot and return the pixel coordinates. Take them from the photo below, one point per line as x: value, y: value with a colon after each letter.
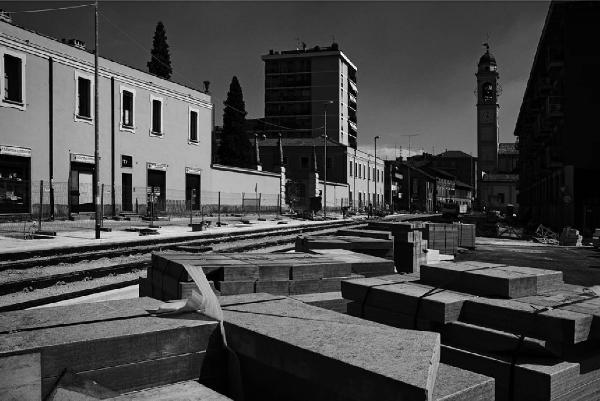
x: 454, y: 154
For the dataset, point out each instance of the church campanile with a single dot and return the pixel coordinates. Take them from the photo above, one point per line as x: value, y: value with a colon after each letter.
x: 487, y: 113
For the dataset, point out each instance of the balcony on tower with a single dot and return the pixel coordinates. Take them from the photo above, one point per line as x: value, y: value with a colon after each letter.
x: 353, y: 88
x: 554, y: 106
x: 555, y: 59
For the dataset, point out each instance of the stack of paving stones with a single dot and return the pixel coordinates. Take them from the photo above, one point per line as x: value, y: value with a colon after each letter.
x: 242, y: 273
x: 118, y: 344
x: 596, y: 238
x: 288, y: 350
x: 409, y: 244
x: 380, y: 247
x: 466, y: 235
x: 537, y: 336
x: 443, y: 237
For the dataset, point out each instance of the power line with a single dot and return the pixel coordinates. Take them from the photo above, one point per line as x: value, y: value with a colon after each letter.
x: 42, y: 10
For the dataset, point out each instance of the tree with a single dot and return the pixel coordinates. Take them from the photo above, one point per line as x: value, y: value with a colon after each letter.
x: 160, y: 63
x: 235, y: 148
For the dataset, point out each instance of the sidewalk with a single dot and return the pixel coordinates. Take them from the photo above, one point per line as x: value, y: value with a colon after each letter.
x: 85, y: 238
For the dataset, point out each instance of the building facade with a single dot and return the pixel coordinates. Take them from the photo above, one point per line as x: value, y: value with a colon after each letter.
x: 558, y: 144
x: 155, y: 135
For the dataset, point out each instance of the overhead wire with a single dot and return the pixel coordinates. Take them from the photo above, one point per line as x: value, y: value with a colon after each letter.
x: 42, y: 10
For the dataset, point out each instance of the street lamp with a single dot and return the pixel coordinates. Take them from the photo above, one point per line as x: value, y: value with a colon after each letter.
x: 376, y: 171
x: 326, y: 103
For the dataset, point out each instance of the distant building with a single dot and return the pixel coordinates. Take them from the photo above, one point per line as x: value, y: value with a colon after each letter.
x: 417, y: 185
x: 299, y: 84
x: 557, y: 123
x: 302, y: 87
x: 458, y: 163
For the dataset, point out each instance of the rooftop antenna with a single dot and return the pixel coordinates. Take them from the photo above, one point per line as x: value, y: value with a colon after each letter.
x: 487, y: 43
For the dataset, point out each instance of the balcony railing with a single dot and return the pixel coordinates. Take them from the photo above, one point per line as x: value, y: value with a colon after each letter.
x: 353, y: 126
x: 352, y: 98
x: 353, y: 87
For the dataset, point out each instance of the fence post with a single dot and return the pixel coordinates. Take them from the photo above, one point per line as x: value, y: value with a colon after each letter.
x: 136, y: 206
x: 219, y: 209
x: 259, y: 198
x: 242, y: 204
x: 190, y: 203
x: 278, y: 204
x: 102, y: 206
x: 51, y: 199
x: 41, y: 205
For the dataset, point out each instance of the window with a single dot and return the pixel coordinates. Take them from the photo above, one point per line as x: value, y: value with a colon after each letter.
x: 127, y: 108
x: 193, y: 135
x: 350, y: 168
x: 84, y: 97
x: 13, y: 79
x: 355, y: 168
x: 304, y: 162
x: 329, y: 163
x: 156, y: 118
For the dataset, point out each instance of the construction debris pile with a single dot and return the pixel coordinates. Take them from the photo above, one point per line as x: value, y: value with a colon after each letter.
x: 534, y: 334
x: 570, y: 237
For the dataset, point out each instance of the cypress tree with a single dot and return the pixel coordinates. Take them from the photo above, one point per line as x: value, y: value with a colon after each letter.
x: 160, y: 63
x: 235, y: 148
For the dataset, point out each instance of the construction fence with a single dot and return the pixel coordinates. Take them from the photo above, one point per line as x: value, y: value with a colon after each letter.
x: 65, y: 206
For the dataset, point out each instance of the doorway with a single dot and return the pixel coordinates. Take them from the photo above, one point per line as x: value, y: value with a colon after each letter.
x: 192, y: 191
x: 157, y: 185
x: 126, y: 192
x: 81, y: 191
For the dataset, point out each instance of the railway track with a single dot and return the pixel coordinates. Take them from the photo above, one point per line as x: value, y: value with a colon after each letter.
x: 46, y: 279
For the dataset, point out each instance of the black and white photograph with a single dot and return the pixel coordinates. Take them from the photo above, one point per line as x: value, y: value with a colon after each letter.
x: 341, y: 200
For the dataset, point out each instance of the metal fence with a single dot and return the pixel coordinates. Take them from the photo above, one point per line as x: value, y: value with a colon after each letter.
x: 63, y: 206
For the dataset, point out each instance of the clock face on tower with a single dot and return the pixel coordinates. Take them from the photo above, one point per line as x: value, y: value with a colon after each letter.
x: 486, y: 116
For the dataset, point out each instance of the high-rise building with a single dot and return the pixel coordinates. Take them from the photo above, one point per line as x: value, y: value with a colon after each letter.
x: 301, y: 86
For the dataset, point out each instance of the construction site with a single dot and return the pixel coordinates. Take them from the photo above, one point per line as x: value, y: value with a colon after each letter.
x: 399, y: 308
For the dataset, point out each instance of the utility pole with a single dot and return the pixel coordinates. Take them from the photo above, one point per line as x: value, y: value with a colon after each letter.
x: 96, y: 128
x: 325, y: 161
x: 376, y: 171
x: 408, y: 171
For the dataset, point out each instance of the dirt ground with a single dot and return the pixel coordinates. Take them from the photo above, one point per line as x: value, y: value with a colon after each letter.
x: 580, y: 265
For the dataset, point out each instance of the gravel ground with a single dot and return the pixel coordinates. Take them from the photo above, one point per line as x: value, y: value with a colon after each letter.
x: 61, y: 288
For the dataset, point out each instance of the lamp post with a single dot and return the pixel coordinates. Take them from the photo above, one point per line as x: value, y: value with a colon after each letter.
x: 408, y: 170
x: 328, y: 102
x: 98, y: 212
x: 376, y: 171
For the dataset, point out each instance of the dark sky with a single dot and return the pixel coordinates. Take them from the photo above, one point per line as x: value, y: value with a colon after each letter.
x: 416, y: 60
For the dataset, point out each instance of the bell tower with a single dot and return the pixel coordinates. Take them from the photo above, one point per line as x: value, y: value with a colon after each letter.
x: 487, y: 113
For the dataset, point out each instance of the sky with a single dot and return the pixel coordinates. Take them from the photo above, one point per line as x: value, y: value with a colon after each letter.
x: 416, y: 60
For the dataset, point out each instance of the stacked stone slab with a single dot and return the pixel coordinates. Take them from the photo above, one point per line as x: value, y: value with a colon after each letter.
x: 242, y: 273
x: 118, y: 344
x: 379, y: 247
x: 409, y: 245
x: 537, y: 336
x: 441, y: 236
x: 466, y: 235
x: 596, y: 238
x: 293, y: 351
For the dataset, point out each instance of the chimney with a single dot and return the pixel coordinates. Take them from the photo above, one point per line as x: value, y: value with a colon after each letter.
x: 206, y: 85
x: 79, y: 44
x: 5, y: 17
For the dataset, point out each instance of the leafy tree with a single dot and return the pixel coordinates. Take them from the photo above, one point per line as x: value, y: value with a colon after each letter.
x: 160, y: 63
x: 235, y: 148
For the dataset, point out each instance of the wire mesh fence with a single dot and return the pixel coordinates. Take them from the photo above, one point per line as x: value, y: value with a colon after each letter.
x: 69, y: 206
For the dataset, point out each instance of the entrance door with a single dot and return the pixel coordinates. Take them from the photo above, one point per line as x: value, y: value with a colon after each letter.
x: 192, y: 191
x: 126, y: 192
x: 157, y: 182
x: 81, y: 189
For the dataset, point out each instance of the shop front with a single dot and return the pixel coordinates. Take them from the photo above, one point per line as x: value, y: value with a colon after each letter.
x: 157, y: 186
